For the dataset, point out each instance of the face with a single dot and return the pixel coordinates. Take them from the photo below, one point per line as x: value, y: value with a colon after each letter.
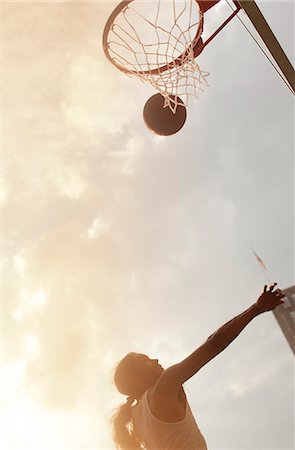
x: 149, y: 365
x: 147, y: 369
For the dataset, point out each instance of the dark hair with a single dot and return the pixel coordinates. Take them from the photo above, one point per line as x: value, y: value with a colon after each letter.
x: 124, y: 434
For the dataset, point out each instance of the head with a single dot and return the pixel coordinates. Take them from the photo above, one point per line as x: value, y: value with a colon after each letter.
x: 136, y: 373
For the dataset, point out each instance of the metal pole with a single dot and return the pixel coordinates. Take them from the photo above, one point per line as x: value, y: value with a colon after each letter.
x: 271, y: 42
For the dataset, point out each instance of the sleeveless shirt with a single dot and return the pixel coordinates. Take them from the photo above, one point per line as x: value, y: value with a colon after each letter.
x: 158, y: 435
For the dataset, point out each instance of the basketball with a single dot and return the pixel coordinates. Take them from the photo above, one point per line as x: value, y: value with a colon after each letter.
x: 162, y: 121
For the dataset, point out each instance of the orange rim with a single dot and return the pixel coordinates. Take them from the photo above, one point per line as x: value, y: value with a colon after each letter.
x: 177, y: 61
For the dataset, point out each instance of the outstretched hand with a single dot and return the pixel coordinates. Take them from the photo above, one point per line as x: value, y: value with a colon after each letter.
x: 270, y: 298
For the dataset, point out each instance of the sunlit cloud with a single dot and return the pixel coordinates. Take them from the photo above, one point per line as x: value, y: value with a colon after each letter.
x: 98, y: 226
x: 12, y: 377
x: 32, y: 347
x: 239, y: 389
x: 248, y: 381
x: 93, y: 100
x: 72, y: 185
x: 132, y: 150
x: 30, y: 303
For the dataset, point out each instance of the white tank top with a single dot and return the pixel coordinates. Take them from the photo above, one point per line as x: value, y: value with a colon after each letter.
x: 158, y: 435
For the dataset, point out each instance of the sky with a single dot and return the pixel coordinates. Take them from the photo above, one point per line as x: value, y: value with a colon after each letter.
x: 116, y: 240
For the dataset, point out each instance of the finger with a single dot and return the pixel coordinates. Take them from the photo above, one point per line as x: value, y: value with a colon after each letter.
x: 265, y: 288
x: 272, y: 287
x: 278, y: 291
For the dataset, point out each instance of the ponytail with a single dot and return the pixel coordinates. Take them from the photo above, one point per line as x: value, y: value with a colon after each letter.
x: 123, y: 430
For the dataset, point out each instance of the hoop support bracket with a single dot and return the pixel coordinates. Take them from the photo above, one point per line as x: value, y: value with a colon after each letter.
x: 201, y: 45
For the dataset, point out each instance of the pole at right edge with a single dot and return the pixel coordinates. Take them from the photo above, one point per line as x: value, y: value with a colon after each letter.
x: 269, y: 39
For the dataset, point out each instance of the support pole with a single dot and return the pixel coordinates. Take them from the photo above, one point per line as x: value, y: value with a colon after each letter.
x: 269, y: 39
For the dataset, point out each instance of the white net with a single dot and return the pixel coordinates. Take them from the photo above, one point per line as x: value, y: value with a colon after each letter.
x: 147, y: 37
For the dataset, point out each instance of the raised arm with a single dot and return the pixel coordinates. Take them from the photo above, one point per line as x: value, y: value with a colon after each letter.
x: 179, y: 373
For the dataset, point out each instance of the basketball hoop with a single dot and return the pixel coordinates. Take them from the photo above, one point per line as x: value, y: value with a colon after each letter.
x: 158, y: 43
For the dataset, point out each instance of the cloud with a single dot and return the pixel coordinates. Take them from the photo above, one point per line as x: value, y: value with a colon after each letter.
x: 92, y: 99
